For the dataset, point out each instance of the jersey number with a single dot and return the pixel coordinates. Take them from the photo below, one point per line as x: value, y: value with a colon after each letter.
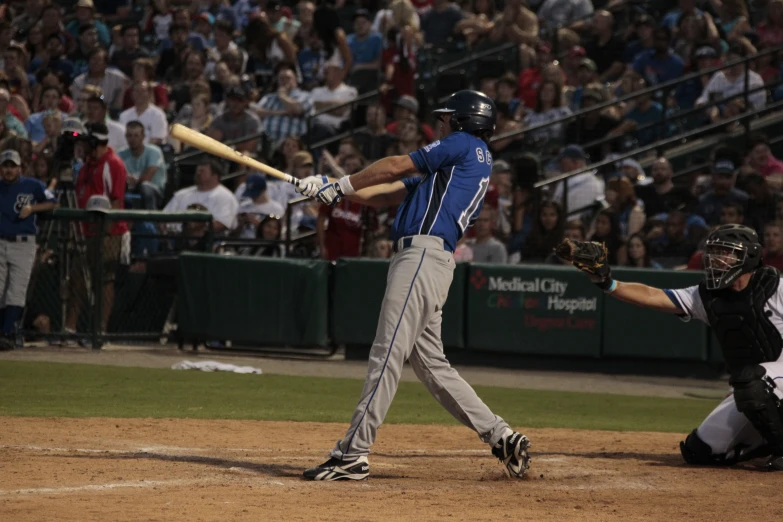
x: 464, y: 218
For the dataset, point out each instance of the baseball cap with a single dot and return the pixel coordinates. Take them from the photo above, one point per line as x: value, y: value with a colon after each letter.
x: 205, y: 17
x: 85, y: 3
x: 705, y: 51
x: 98, y: 203
x: 590, y: 64
x: 12, y: 156
x: 254, y: 186
x: 73, y: 126
x: 573, y: 152
x: 407, y: 101
x: 362, y: 13
x: 96, y: 97
x: 500, y: 166
x: 724, y: 166
x: 237, y: 92
x: 302, y: 159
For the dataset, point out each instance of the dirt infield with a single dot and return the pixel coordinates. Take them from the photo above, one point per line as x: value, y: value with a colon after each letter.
x: 189, y: 470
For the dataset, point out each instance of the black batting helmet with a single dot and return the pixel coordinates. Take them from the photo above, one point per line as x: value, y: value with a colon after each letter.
x: 471, y: 111
x: 729, y: 252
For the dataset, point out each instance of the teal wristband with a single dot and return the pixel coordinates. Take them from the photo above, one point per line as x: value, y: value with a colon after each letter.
x: 612, y: 287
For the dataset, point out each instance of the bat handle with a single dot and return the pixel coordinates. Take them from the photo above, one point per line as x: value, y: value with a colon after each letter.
x: 293, y: 181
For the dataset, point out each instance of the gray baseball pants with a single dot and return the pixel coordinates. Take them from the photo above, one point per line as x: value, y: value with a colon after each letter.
x: 16, y: 265
x: 409, y: 328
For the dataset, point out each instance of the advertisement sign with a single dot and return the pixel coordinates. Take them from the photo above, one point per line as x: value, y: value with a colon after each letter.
x: 533, y: 309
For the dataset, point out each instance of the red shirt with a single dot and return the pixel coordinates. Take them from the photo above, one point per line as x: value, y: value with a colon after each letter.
x: 105, y: 176
x: 529, y: 80
x: 694, y: 263
x: 343, y: 236
x: 773, y: 166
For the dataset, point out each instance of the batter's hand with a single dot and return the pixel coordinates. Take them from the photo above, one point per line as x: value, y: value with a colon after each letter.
x: 25, y: 212
x: 310, y: 185
x: 330, y: 194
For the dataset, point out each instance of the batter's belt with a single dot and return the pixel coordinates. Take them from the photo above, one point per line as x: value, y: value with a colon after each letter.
x: 419, y: 241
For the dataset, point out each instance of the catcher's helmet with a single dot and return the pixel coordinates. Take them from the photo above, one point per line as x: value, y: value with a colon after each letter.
x: 471, y: 111
x: 730, y: 251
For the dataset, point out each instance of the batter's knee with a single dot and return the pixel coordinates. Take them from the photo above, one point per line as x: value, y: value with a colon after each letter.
x: 696, y: 451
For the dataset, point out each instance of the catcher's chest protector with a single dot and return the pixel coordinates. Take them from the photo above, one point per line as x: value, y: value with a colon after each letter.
x: 745, y: 332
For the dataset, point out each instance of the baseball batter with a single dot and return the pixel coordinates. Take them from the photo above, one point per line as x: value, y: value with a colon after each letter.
x: 742, y: 300
x: 20, y: 199
x: 436, y: 209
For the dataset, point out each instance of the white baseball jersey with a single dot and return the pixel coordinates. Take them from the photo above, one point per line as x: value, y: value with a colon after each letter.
x: 726, y: 428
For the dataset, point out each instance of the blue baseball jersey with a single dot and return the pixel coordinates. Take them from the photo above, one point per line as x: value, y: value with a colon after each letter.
x: 446, y: 200
x: 14, y: 197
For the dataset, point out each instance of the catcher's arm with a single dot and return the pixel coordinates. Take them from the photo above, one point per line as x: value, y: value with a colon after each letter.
x: 646, y: 296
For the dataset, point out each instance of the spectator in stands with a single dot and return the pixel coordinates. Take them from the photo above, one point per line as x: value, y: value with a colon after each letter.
x: 112, y: 82
x: 237, y: 121
x: 643, y: 116
x: 546, y: 234
x: 10, y: 121
x: 85, y: 17
x: 23, y: 23
x: 672, y: 18
x: 688, y: 92
x: 605, y: 49
x: 516, y: 24
x: 733, y: 19
x: 87, y: 43
x: 334, y: 43
x: 594, y: 125
x: 335, y: 92
x: 439, y: 23
x: 565, y: 13
x: 486, y: 248
x: 662, y: 195
x: 220, y: 10
x: 410, y: 138
x: 477, y: 23
x: 50, y: 100
x: 773, y: 245
x: 52, y: 24
x: 193, y: 74
x: 730, y: 82
x: 606, y: 229
x: 366, y: 45
x: 145, y: 167
x: 56, y: 58
x: 659, y: 64
x: 171, y: 62
x: 762, y: 202
x: 574, y: 230
x: 622, y: 199
x: 310, y: 61
x: 208, y: 191
x: 506, y: 124
x: 96, y: 113
x: 266, y: 48
x: 759, y: 157
x: 124, y: 58
x: 52, y: 124
x: 533, y: 64
x: 254, y: 206
x: 671, y: 245
x: 695, y: 31
x: 732, y: 214
x: 271, y: 229
x: 285, y: 111
x: 506, y: 89
x: 158, y: 17
x: 340, y: 228
x: 770, y: 30
x: 381, y: 249
x: 639, y: 253
x: 405, y: 108
x: 144, y: 71
x: 375, y: 140
x: 724, y: 176
x: 113, y: 10
x: 641, y: 40
x: 583, y: 189
x: 549, y: 108
x: 156, y: 127
x: 281, y: 18
x: 199, y: 117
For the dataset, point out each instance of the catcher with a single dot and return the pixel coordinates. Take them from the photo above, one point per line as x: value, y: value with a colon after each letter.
x: 742, y: 301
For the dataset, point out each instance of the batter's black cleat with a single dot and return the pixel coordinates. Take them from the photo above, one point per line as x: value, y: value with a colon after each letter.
x: 775, y: 463
x: 511, y: 450
x: 336, y: 469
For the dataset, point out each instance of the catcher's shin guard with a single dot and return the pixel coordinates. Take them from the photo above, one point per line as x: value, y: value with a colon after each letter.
x: 754, y: 395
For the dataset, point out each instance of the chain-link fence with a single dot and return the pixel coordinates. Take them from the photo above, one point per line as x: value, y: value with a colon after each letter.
x: 102, y: 276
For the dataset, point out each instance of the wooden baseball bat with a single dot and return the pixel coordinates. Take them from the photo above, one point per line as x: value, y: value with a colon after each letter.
x: 221, y: 150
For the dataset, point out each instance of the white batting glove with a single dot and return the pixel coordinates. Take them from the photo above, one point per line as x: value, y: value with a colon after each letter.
x: 330, y: 194
x: 310, y: 185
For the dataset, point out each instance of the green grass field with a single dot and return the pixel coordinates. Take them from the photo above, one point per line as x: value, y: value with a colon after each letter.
x: 75, y: 390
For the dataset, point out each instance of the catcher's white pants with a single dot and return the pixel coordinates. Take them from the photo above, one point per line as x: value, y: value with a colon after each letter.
x: 409, y: 329
x: 726, y: 428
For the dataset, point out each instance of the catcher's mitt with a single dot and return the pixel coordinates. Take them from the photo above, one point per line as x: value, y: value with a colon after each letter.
x: 587, y: 256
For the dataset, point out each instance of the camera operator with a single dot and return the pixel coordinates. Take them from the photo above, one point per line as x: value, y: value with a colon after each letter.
x: 103, y: 178
x: 68, y: 157
x: 20, y: 199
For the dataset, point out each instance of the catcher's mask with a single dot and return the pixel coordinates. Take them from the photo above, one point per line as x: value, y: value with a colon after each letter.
x: 730, y: 251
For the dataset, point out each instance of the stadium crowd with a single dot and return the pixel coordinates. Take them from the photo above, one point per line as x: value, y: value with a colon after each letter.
x: 277, y: 79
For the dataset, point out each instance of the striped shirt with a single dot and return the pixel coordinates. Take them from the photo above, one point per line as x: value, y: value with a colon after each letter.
x: 277, y: 128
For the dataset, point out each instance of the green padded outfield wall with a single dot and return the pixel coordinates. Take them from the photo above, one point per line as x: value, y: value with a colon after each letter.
x: 359, y: 285
x: 247, y: 299
x: 533, y: 309
x: 632, y: 331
